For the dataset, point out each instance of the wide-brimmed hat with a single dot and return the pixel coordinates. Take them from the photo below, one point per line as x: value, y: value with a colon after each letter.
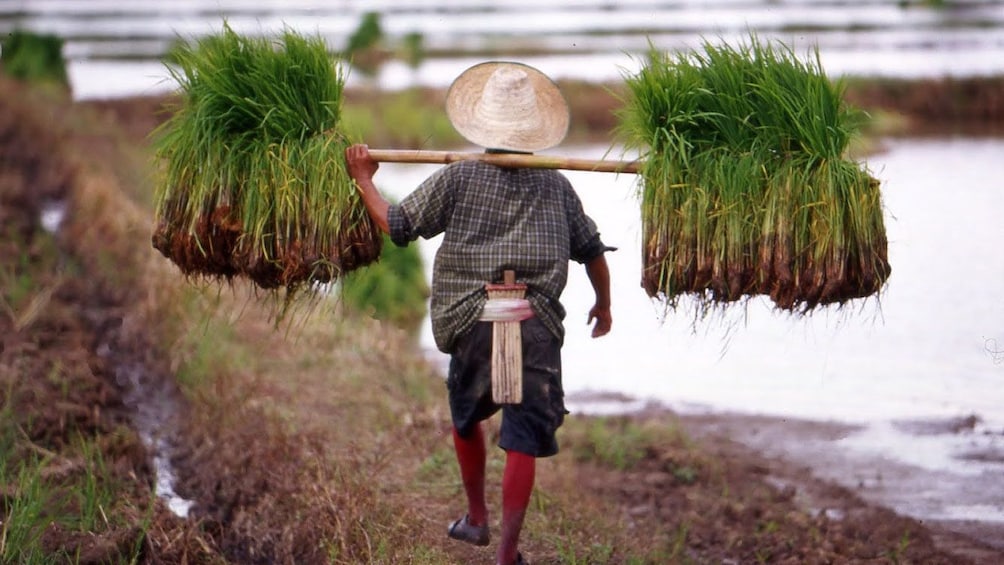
x: 506, y: 105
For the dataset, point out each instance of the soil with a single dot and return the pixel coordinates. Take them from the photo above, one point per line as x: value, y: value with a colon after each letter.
x: 797, y: 517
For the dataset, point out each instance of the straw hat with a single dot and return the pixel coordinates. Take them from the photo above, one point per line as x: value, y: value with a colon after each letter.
x: 503, y: 105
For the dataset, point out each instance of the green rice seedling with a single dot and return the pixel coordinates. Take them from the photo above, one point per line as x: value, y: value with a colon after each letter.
x: 254, y: 181
x: 746, y: 188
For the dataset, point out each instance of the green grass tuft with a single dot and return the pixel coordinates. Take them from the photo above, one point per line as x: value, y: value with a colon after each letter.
x: 34, y: 57
x: 393, y: 289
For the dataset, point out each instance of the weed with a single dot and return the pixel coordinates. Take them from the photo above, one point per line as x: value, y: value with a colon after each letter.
x: 897, y: 554
x: 34, y: 57
x: 679, y: 544
x: 96, y: 492
x: 685, y: 474
x: 393, y: 289
x: 438, y: 464
x: 572, y: 553
x: 25, y: 514
x: 615, y: 443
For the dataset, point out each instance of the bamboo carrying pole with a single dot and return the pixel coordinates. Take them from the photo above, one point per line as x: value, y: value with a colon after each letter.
x: 520, y: 160
x: 507, y: 346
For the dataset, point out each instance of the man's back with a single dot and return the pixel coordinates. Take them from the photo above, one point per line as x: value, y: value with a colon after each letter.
x: 496, y: 219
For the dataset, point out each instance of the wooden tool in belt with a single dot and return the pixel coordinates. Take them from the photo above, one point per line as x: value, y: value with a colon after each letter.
x: 506, y: 308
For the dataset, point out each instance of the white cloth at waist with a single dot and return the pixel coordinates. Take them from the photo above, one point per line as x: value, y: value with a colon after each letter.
x: 506, y: 310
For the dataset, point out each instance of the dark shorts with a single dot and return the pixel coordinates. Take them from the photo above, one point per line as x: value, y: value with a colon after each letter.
x: 528, y: 427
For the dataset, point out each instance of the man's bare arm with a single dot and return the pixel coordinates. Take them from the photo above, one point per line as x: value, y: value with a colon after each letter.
x: 599, y: 278
x: 362, y: 167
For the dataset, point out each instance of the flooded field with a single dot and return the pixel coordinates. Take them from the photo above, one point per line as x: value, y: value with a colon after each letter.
x: 116, y: 49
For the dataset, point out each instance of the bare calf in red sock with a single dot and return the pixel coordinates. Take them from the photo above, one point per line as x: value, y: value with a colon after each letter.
x: 471, y: 456
x: 517, y: 486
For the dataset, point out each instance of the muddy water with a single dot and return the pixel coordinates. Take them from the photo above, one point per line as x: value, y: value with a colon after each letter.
x: 154, y: 405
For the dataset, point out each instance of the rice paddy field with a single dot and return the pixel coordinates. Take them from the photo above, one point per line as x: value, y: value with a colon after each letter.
x: 900, y: 384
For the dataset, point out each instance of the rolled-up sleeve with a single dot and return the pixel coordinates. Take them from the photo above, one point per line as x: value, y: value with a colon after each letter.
x: 584, y: 239
x: 426, y: 211
x: 400, y: 227
x: 592, y: 249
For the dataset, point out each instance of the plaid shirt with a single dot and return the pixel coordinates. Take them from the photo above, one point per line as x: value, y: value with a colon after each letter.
x: 495, y: 219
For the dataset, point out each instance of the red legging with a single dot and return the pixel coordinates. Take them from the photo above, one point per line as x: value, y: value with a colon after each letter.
x: 517, y: 486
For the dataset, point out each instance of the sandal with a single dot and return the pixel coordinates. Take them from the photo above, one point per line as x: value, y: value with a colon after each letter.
x: 519, y: 560
x: 463, y: 530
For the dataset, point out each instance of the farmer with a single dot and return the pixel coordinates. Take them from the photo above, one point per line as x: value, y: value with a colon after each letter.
x: 495, y: 219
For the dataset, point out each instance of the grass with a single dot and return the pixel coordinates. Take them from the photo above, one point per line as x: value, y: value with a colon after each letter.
x: 23, y: 296
x: 293, y: 410
x: 57, y: 488
x: 393, y: 289
x: 619, y: 446
x: 24, y: 513
x: 412, y: 118
x: 747, y: 187
x: 71, y: 492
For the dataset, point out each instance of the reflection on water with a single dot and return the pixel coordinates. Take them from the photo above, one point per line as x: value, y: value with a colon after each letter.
x: 114, y: 48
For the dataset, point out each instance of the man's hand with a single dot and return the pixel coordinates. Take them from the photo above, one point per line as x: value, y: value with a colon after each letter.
x: 599, y: 278
x: 360, y: 165
x: 603, y: 320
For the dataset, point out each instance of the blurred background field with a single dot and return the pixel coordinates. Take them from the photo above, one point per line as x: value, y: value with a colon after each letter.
x: 116, y: 50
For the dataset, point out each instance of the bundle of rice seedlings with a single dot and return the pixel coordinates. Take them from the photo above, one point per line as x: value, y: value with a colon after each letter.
x: 255, y: 183
x: 746, y: 186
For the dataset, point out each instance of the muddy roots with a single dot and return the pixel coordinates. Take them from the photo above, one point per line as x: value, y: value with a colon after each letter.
x: 214, y: 248
x: 793, y: 281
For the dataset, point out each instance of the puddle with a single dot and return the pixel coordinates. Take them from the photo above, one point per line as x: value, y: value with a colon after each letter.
x: 594, y: 403
x: 957, y: 445
x: 164, y: 484
x: 52, y: 214
x: 973, y: 512
x: 154, y: 410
